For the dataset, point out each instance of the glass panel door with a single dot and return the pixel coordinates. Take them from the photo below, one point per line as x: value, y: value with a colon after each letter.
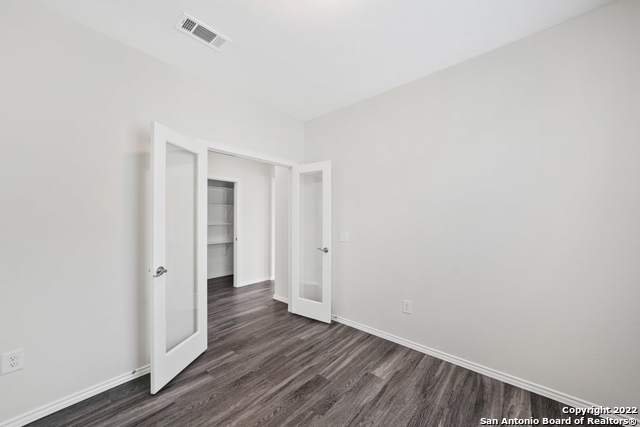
x: 311, y: 241
x: 178, y: 271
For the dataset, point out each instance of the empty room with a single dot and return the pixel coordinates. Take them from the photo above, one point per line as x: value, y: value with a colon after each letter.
x: 319, y: 212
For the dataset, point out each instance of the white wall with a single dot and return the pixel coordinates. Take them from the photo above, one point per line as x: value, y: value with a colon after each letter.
x: 75, y: 117
x: 254, y: 200
x: 502, y: 196
x: 283, y: 212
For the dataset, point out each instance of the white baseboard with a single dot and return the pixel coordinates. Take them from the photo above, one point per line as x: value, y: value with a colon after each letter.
x: 472, y: 366
x: 281, y: 299
x: 73, y: 398
x: 252, y: 282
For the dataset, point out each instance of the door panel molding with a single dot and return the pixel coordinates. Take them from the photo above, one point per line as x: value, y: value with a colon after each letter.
x: 167, y: 364
x: 318, y: 310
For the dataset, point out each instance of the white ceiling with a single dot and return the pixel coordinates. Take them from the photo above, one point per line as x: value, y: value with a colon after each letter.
x: 308, y: 57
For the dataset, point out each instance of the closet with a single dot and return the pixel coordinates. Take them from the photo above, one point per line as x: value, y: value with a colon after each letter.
x: 220, y: 228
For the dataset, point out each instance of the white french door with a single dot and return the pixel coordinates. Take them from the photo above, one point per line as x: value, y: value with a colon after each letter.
x: 179, y: 283
x: 311, y: 241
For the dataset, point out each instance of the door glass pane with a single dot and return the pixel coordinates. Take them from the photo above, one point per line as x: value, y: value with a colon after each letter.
x: 181, y: 284
x: 311, y: 236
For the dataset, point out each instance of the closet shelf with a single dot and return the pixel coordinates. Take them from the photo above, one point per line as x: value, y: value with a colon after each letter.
x: 220, y: 228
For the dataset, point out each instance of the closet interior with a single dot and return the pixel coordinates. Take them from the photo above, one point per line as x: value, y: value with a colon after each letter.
x: 220, y: 228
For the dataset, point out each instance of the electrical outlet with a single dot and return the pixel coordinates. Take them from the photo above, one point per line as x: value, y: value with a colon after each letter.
x: 407, y: 306
x: 12, y: 361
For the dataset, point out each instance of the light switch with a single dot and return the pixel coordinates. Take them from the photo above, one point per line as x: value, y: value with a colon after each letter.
x: 344, y: 237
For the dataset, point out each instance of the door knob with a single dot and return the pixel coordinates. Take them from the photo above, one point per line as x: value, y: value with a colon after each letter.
x: 160, y: 271
x: 325, y: 249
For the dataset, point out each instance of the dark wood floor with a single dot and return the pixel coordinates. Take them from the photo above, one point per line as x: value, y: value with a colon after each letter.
x: 265, y: 366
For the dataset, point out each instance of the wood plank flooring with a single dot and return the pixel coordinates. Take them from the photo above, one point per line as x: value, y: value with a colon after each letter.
x: 265, y: 366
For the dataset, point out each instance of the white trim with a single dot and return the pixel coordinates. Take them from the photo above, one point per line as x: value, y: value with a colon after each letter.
x: 237, y: 233
x: 73, y: 398
x: 253, y: 282
x: 272, y: 237
x: 281, y: 299
x: 476, y: 367
x: 247, y: 154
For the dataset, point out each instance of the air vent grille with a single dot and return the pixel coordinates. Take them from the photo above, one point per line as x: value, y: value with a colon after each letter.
x: 188, y: 24
x: 202, y: 32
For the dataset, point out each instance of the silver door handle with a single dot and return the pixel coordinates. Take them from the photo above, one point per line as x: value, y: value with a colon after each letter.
x: 325, y: 249
x: 160, y: 271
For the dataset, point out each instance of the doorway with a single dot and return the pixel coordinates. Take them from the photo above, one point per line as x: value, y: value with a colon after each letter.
x: 222, y: 223
x: 240, y: 220
x: 184, y: 226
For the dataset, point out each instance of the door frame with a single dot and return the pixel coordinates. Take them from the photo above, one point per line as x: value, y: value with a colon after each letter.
x: 247, y: 154
x: 236, y: 223
x: 217, y: 147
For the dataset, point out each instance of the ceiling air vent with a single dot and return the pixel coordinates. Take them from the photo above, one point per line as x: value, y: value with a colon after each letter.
x: 202, y: 32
